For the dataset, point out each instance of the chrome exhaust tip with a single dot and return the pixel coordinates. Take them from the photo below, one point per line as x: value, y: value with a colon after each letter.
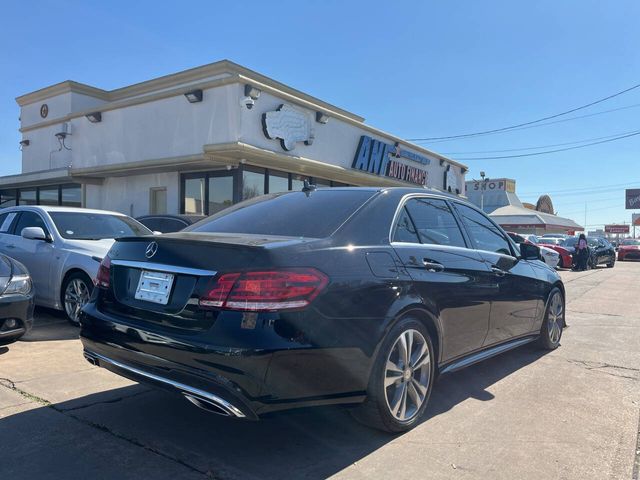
x: 91, y: 359
x: 209, y: 405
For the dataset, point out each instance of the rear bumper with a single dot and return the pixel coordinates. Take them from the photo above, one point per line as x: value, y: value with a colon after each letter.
x: 251, y: 374
x: 20, y: 309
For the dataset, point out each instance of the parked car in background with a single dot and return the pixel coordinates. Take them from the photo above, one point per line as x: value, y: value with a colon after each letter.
x: 62, y: 248
x: 556, y: 235
x: 342, y: 295
x: 629, y: 249
x: 168, y: 223
x: 16, y: 300
x: 549, y: 256
x: 600, y: 251
x: 550, y: 241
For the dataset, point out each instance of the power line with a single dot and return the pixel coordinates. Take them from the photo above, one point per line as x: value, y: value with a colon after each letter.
x: 550, y: 151
x: 502, y: 129
x: 588, y: 189
x: 542, y: 146
x: 602, y: 112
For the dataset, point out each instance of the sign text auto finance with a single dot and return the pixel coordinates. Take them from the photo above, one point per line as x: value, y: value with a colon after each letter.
x: 377, y: 157
x: 616, y: 228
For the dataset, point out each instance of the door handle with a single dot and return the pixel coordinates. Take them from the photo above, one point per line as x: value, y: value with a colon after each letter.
x: 432, y: 266
x: 498, y: 271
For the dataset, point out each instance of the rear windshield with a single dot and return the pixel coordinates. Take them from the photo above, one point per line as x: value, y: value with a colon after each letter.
x: 296, y: 214
x: 96, y: 226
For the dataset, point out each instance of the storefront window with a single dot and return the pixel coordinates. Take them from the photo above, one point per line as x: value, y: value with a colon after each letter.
x: 48, y: 195
x: 7, y: 198
x: 252, y: 184
x: 27, y: 196
x: 194, y: 196
x: 220, y: 193
x: 71, y: 196
x: 278, y: 182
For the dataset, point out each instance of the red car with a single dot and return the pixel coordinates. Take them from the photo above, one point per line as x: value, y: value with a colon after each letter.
x: 566, y: 260
x: 629, y: 249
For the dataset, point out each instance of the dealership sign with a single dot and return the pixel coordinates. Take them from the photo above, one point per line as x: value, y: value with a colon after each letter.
x: 632, y: 199
x: 616, y: 228
x: 380, y: 158
x: 288, y: 124
x: 635, y: 219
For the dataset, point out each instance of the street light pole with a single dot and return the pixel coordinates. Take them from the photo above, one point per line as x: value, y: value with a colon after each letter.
x: 482, y: 188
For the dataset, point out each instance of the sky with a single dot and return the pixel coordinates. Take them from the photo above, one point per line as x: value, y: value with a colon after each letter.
x: 419, y: 69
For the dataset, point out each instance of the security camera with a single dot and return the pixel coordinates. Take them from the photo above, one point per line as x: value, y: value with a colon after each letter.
x: 61, y: 135
x: 248, y: 102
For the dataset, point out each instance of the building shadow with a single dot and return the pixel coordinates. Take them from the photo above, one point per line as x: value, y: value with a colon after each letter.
x: 307, y: 443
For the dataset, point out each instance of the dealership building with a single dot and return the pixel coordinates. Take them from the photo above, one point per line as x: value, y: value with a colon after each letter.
x: 199, y: 140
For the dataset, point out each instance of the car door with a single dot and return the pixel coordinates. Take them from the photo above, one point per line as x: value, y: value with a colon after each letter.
x: 516, y: 303
x: 36, y: 255
x: 450, y: 279
x: 6, y: 238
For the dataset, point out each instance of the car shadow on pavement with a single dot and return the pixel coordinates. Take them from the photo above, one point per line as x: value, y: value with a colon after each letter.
x: 3, y: 350
x: 51, y: 325
x: 306, y: 443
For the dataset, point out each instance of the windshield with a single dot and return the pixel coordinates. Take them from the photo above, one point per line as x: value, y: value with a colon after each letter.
x: 630, y: 242
x: 548, y: 241
x: 296, y: 214
x: 570, y: 242
x: 96, y: 226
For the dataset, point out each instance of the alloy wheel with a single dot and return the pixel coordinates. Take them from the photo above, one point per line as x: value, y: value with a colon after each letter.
x: 407, y: 375
x: 76, y: 296
x: 555, y: 318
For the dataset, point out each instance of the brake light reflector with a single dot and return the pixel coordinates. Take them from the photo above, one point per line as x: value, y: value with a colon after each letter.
x: 267, y: 290
x: 102, y: 279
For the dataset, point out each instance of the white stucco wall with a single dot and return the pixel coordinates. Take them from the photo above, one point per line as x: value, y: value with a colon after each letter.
x: 168, y: 127
x: 130, y: 195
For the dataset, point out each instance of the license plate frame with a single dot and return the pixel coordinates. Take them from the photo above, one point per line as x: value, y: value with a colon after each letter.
x: 154, y: 287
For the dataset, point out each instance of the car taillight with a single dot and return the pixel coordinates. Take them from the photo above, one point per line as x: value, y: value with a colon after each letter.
x: 104, y: 272
x: 267, y: 290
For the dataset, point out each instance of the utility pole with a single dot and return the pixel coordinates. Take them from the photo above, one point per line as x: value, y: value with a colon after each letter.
x: 482, y: 188
x: 585, y: 218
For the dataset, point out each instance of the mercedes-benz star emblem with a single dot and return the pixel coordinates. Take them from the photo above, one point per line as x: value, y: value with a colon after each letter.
x: 151, y: 250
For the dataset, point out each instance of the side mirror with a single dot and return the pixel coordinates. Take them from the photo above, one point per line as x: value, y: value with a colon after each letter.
x: 529, y: 251
x: 34, y: 233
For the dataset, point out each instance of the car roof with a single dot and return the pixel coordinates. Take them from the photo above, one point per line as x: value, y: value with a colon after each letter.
x: 48, y: 208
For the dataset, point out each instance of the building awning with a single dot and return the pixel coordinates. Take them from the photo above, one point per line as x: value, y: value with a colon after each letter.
x: 31, y: 179
x: 512, y: 216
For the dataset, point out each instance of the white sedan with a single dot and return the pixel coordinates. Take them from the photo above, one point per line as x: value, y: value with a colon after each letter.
x: 62, y: 248
x: 550, y: 257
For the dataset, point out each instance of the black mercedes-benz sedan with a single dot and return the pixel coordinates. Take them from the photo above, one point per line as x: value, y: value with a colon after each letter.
x: 16, y: 300
x: 357, y: 296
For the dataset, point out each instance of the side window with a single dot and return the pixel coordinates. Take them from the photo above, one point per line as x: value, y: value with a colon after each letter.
x: 434, y: 222
x: 30, y: 219
x: 6, y: 220
x: 153, y: 223
x: 405, y: 231
x: 173, y: 225
x: 484, y: 234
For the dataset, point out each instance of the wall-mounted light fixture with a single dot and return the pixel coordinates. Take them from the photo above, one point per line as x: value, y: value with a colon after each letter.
x: 194, y: 96
x: 24, y: 143
x: 94, y: 117
x: 463, y: 170
x: 322, y: 117
x: 441, y: 161
x: 252, y: 92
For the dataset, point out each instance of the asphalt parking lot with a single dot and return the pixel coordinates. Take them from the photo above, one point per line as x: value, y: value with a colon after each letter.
x: 569, y: 414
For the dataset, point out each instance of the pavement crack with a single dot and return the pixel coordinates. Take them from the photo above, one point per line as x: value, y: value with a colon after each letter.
x: 602, y: 368
x: 135, y: 442
x: 113, y: 400
x: 10, y: 384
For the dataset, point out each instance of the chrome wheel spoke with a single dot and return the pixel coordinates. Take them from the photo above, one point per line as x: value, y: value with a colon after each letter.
x: 417, y: 392
x: 418, y: 357
x: 392, y: 374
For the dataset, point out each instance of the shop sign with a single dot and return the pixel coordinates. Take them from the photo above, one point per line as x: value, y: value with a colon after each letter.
x: 502, y: 184
x: 289, y: 125
x: 632, y: 198
x: 616, y: 229
x: 379, y: 158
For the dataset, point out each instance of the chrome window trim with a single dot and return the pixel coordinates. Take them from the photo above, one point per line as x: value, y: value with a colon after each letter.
x: 435, y: 196
x: 161, y: 267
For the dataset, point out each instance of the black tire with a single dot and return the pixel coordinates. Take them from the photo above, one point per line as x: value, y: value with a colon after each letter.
x: 376, y: 411
x: 74, y: 279
x: 553, y: 323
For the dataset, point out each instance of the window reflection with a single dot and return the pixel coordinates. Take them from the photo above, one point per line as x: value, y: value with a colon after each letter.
x: 220, y: 193
x: 194, y: 196
x: 252, y: 184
